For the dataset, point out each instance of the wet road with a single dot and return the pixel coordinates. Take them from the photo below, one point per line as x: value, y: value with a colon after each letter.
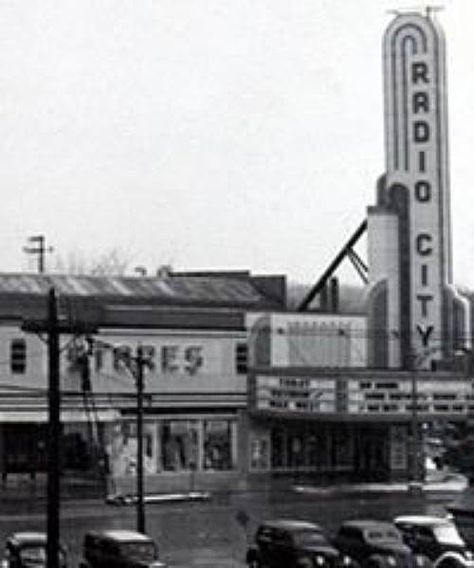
x: 212, y: 534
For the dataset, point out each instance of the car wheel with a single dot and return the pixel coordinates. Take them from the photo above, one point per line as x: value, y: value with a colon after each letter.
x: 254, y: 563
x: 449, y: 563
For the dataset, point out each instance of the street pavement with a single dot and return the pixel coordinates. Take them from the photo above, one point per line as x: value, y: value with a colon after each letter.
x: 214, y: 533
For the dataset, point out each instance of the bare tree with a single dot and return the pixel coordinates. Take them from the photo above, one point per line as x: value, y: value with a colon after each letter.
x: 114, y: 262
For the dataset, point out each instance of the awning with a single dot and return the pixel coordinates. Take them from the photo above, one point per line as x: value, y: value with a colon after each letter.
x: 67, y: 416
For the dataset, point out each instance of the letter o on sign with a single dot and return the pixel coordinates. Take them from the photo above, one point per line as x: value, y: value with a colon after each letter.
x: 423, y: 241
x: 423, y: 191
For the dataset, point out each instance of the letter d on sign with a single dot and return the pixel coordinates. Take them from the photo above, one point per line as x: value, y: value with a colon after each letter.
x: 421, y: 131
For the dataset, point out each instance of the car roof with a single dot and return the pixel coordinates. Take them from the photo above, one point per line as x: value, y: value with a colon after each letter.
x: 422, y: 520
x: 122, y: 535
x: 292, y: 524
x: 28, y: 537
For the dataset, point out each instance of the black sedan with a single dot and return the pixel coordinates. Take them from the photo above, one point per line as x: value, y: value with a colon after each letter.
x: 286, y: 543
x: 377, y: 544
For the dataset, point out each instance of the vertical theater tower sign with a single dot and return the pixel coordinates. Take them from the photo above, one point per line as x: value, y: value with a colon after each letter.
x: 413, y: 306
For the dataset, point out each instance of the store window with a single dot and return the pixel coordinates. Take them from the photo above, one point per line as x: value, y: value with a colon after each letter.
x: 18, y: 356
x: 278, y: 448
x: 218, y: 438
x: 259, y: 453
x: 295, y: 450
x: 179, y: 444
x: 343, y: 448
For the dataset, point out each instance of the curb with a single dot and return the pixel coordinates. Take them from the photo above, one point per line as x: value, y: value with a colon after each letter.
x: 128, y: 499
x: 450, y: 484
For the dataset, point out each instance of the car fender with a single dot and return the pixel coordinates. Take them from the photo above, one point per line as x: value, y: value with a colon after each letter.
x: 454, y: 559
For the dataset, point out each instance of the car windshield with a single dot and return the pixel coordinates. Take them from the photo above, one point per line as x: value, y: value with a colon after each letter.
x: 138, y: 550
x: 448, y: 534
x: 383, y: 534
x: 309, y: 538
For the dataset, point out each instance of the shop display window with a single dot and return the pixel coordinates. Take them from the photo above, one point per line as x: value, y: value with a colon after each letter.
x: 217, y: 440
x: 343, y: 449
x: 179, y: 444
x: 278, y: 448
x: 259, y: 454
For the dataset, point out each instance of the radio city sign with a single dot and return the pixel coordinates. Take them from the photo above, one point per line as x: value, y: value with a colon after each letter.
x: 417, y: 171
x: 424, y: 210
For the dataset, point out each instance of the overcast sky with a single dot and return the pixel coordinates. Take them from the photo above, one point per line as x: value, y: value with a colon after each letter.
x: 208, y: 134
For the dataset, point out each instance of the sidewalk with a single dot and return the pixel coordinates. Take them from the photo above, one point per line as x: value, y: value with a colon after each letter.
x: 435, y: 482
x: 20, y: 488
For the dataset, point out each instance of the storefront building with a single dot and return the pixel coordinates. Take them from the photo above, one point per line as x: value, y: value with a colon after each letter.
x: 191, y: 329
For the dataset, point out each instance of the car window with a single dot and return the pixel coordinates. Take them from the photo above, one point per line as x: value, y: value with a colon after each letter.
x: 33, y: 554
x: 382, y: 534
x: 264, y: 534
x: 105, y: 547
x: 350, y: 532
x: 137, y: 550
x: 309, y: 538
x: 281, y: 537
x: 424, y: 533
x: 448, y: 535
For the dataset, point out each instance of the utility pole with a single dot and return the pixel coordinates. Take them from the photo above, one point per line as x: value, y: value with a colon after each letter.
x: 54, y: 432
x: 39, y: 249
x: 140, y: 364
x: 415, y: 426
x: 54, y: 327
x: 136, y: 363
x: 417, y: 466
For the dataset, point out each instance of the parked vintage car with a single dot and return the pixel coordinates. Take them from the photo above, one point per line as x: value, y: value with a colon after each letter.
x: 119, y: 549
x: 436, y: 537
x: 377, y: 544
x: 283, y: 543
x: 28, y: 550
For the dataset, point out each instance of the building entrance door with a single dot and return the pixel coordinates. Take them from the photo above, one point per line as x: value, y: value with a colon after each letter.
x: 371, y: 457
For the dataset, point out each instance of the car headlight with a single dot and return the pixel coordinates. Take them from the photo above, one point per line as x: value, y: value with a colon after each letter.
x: 468, y: 555
x: 346, y: 560
x: 320, y: 560
x: 391, y: 561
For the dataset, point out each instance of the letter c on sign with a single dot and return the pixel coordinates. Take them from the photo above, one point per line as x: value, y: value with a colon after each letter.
x: 422, y: 244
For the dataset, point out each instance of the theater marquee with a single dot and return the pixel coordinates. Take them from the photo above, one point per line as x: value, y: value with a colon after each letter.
x: 365, y: 396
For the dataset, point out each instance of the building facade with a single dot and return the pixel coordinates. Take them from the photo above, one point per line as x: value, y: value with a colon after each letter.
x: 191, y: 329
x: 351, y: 397
x: 237, y: 389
